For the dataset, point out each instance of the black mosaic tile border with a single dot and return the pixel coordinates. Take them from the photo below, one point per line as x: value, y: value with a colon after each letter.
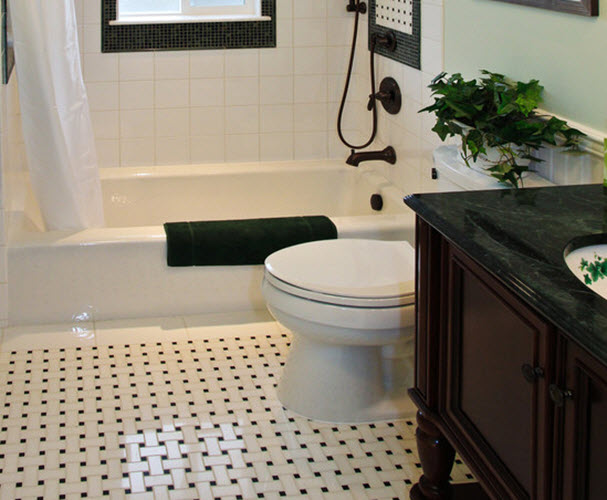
x: 187, y: 36
x: 408, y: 47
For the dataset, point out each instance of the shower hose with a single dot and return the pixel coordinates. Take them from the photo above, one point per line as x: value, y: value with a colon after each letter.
x: 347, y: 85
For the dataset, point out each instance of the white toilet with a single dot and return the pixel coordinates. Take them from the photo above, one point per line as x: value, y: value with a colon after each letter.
x: 350, y: 306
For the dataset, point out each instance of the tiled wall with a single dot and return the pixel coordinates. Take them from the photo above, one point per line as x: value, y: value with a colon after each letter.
x: 215, y: 106
x: 409, y: 132
x: 239, y: 105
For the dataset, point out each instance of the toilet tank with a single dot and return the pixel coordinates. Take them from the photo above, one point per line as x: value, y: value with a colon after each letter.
x: 454, y: 175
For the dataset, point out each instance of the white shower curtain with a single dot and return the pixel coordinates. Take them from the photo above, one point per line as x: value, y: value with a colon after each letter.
x: 55, y: 113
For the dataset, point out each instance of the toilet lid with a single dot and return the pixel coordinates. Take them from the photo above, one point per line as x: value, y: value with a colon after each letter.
x: 370, y: 273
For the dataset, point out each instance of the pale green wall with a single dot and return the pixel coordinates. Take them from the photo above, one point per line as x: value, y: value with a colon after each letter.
x: 566, y: 53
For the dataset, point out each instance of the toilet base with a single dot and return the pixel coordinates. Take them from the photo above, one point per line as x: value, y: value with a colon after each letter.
x: 346, y: 384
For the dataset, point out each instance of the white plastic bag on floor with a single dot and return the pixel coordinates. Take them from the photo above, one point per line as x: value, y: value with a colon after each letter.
x: 57, y: 127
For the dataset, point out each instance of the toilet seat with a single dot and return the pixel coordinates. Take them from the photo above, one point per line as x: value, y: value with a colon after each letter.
x: 347, y: 272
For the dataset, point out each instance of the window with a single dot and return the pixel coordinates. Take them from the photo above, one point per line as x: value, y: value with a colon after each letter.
x: 172, y: 25
x: 180, y: 11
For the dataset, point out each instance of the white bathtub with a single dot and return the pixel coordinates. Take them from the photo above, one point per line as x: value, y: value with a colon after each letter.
x: 120, y: 271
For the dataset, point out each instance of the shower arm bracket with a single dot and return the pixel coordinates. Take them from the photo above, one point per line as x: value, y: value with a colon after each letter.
x: 354, y: 6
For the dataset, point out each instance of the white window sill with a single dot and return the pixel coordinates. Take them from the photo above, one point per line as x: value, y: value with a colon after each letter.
x: 178, y: 18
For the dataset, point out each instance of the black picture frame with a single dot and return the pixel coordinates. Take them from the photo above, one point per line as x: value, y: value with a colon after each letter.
x: 588, y: 8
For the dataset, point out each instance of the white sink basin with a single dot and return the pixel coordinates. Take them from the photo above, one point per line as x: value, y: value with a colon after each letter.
x: 586, y: 263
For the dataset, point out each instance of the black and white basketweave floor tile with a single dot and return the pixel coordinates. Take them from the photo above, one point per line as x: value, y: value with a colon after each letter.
x: 187, y: 419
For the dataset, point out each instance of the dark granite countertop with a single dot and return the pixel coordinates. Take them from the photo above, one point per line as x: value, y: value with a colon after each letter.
x: 519, y: 236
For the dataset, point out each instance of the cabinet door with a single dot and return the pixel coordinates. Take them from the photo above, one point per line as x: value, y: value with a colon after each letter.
x: 584, y: 432
x: 495, y: 383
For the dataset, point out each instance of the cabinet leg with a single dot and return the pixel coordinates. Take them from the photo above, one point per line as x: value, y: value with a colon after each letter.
x: 436, y: 456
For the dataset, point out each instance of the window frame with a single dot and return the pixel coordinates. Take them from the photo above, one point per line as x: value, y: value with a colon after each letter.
x: 192, y: 35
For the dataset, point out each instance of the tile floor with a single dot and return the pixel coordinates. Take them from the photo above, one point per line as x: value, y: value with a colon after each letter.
x: 179, y: 408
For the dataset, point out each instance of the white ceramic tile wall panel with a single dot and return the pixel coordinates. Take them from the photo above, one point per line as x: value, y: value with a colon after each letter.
x: 172, y: 122
x: 242, y: 91
x: 309, y: 8
x: 206, y: 120
x: 241, y: 63
x: 172, y: 93
x: 278, y: 118
x: 171, y: 65
x: 306, y: 31
x: 106, y: 124
x: 310, y: 117
x: 207, y: 149
x: 310, y: 32
x: 278, y: 61
x: 432, y: 20
x: 136, y: 66
x: 310, y: 146
x: 207, y: 92
x: 135, y: 94
x: 242, y: 120
x: 104, y: 96
x: 276, y: 147
x: 276, y: 90
x: 137, y: 152
x: 108, y: 152
x: 100, y: 67
x: 241, y: 147
x: 136, y: 123
x: 310, y: 88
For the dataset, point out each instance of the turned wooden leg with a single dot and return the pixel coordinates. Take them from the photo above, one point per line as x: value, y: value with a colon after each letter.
x: 436, y: 456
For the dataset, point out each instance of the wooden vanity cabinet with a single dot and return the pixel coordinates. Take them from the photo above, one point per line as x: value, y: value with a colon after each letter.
x: 581, y: 432
x: 488, y: 372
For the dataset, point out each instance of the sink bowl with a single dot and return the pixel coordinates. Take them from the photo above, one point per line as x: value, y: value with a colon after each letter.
x: 586, y: 257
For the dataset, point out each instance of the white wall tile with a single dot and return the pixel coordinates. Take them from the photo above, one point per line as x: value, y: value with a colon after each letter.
x: 242, y: 119
x: 207, y: 92
x: 207, y: 120
x: 276, y: 147
x: 137, y: 152
x: 106, y: 124
x: 172, y: 122
x: 171, y: 65
x: 103, y: 96
x: 100, y: 67
x: 172, y: 93
x: 108, y: 152
x: 172, y: 151
x: 242, y: 147
x: 207, y: 64
x: 207, y: 149
x: 137, y: 123
x: 137, y: 95
x: 241, y: 63
x: 276, y: 118
x: 276, y: 90
x: 136, y: 66
x: 242, y: 91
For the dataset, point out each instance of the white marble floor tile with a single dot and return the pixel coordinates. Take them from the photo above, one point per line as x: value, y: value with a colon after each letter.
x: 166, y: 416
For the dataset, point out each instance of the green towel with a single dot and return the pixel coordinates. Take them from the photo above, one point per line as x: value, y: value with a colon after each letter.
x: 240, y: 242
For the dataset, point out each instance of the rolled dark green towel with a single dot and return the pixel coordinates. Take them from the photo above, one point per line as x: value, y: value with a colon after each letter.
x: 240, y: 242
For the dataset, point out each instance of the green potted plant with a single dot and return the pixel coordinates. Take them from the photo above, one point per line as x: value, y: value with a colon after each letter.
x: 497, y: 121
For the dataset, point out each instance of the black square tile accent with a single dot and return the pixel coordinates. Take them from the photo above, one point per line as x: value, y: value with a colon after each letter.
x: 187, y: 36
x: 408, y: 47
